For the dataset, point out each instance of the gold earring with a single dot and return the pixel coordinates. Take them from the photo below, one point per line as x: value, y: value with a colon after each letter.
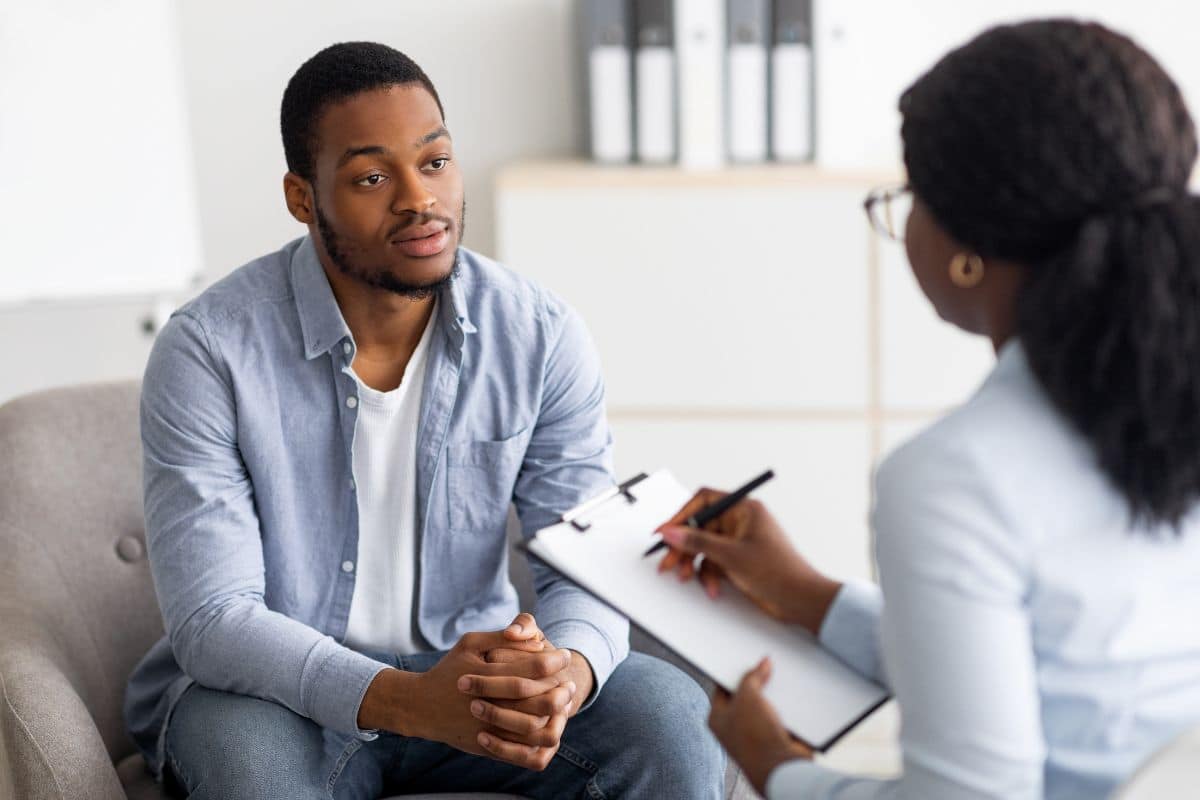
x: 966, y: 270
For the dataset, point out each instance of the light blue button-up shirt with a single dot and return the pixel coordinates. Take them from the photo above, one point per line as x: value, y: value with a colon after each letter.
x: 248, y: 420
x: 1037, y: 643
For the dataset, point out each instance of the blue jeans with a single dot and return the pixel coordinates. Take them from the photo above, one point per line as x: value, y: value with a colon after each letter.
x: 644, y: 737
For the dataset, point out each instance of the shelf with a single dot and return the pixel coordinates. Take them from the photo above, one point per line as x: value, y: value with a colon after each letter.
x: 568, y: 174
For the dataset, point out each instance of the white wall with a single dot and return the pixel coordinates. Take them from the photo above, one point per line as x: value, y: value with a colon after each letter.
x: 504, y: 70
x: 869, y: 51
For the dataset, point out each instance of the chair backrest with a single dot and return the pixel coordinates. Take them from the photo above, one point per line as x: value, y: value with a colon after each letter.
x: 73, y: 571
x: 1173, y: 771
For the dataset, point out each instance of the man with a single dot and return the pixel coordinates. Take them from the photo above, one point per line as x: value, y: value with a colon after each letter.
x: 333, y: 435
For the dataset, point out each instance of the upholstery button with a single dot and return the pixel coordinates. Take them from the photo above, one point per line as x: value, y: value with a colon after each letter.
x: 346, y: 348
x: 347, y: 566
x: 351, y: 402
x: 130, y: 549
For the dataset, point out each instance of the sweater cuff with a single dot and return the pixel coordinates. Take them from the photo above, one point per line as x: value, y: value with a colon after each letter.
x: 851, y: 628
x: 335, y: 692
x: 593, y: 645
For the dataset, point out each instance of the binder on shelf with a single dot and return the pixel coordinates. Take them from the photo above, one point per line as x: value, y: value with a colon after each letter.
x: 700, y: 54
x: 599, y: 545
x: 607, y: 39
x: 792, y: 81
x: 748, y: 35
x: 654, y: 81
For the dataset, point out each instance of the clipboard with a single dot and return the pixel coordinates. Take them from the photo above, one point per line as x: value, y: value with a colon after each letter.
x: 598, y: 545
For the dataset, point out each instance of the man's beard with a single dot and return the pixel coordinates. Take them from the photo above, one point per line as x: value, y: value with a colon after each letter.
x: 382, y: 277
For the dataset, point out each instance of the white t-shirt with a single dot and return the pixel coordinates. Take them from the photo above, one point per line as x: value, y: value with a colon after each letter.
x: 385, y: 463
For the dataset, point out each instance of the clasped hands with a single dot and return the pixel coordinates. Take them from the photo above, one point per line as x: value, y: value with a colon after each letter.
x: 505, y: 694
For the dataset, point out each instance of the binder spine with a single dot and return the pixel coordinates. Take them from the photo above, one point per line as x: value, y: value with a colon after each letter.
x: 607, y: 38
x: 749, y: 42
x: 655, y: 82
x: 792, y: 82
x: 700, y: 44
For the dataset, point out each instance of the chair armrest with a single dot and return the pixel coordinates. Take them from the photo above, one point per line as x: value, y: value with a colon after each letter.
x: 50, y: 749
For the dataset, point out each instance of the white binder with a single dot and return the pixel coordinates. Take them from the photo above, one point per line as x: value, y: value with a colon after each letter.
x: 792, y: 82
x: 749, y: 27
x: 599, y: 546
x: 607, y: 39
x: 654, y: 70
x: 700, y: 54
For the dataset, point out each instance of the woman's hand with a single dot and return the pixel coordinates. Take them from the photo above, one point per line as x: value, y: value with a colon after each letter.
x: 750, y: 731
x: 747, y: 546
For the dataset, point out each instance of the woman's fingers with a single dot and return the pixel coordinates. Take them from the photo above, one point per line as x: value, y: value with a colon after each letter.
x: 710, y: 577
x: 702, y: 498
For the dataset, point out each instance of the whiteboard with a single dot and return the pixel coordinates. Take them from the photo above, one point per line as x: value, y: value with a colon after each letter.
x: 97, y: 192
x: 869, y: 51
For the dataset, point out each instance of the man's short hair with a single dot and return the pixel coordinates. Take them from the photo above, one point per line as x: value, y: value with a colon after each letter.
x: 336, y: 73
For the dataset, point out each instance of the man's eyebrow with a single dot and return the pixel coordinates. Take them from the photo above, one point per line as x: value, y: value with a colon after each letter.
x: 433, y: 136
x: 369, y: 150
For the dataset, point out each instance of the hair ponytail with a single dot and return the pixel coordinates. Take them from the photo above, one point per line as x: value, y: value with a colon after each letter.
x: 1111, y: 326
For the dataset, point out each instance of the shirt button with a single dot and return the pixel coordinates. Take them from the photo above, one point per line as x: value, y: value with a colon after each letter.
x: 351, y: 402
x: 346, y: 348
x: 347, y: 566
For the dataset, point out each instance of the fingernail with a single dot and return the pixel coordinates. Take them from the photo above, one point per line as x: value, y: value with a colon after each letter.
x: 464, y: 683
x: 672, y: 535
x: 712, y: 592
x: 485, y: 740
x: 571, y: 687
x: 516, y: 628
x: 477, y: 708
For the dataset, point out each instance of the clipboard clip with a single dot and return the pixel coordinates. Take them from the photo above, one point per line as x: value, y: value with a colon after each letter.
x: 574, y: 516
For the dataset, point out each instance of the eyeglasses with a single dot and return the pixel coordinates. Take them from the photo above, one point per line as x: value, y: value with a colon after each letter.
x: 888, y: 209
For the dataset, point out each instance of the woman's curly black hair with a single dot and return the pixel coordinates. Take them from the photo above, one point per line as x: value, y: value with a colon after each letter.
x: 1064, y: 146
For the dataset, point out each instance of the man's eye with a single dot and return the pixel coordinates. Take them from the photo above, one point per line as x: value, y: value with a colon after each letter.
x: 371, y: 180
x: 439, y: 164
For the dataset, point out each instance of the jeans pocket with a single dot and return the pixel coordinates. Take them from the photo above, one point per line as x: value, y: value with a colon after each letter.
x: 585, y: 764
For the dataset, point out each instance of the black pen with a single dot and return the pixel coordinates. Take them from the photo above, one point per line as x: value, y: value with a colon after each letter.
x: 709, y: 513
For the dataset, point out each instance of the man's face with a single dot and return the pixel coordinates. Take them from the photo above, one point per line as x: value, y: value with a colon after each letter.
x: 387, y: 193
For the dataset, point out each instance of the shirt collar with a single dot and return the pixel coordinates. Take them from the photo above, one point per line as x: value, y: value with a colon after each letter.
x: 321, y: 322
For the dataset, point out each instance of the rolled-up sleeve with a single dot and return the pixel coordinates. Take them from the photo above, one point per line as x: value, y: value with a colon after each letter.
x: 205, y: 547
x: 569, y: 459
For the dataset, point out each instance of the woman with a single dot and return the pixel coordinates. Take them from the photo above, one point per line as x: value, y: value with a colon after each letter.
x: 1038, y: 617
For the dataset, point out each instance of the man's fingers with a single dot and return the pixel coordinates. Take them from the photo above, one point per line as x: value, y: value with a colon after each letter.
x: 523, y: 627
x: 505, y: 687
x: 555, y: 701
x: 547, y: 736
x: 506, y: 718
x: 530, y: 665
x: 523, y: 755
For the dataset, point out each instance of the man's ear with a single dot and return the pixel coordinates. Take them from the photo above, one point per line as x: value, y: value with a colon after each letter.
x: 298, y: 194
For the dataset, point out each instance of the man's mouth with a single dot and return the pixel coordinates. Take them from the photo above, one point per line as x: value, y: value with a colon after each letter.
x: 423, y: 241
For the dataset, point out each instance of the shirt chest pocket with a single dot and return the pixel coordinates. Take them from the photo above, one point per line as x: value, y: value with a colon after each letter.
x: 480, y: 477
